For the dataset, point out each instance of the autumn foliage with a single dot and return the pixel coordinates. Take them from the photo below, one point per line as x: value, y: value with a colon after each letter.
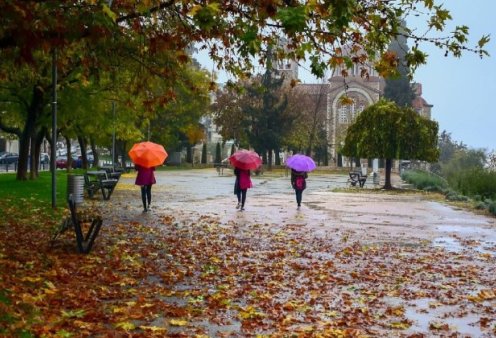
x: 180, y: 274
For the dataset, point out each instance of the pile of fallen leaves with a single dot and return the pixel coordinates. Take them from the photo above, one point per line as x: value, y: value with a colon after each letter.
x: 180, y: 276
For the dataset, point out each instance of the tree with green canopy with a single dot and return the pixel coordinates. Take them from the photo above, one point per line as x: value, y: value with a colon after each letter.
x: 266, y: 114
x: 228, y: 114
x: 257, y: 113
x: 308, y: 103
x: 232, y: 33
x: 385, y: 130
x: 152, y: 38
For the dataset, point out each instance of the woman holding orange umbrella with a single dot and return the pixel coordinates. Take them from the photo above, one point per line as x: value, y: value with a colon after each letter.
x: 146, y: 156
x: 145, y: 179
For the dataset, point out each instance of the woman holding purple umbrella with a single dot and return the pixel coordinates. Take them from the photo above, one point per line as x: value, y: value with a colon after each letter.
x: 299, y: 183
x: 300, y: 165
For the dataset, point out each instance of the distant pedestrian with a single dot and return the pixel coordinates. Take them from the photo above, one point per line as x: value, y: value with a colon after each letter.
x: 299, y: 183
x: 241, y: 186
x: 145, y: 179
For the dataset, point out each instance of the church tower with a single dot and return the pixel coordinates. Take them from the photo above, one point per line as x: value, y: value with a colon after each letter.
x: 362, y: 90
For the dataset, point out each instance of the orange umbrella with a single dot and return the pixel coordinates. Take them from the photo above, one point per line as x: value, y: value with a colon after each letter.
x: 148, y: 154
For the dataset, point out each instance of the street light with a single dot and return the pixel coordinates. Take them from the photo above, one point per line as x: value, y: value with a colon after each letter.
x: 113, y: 134
x: 54, y: 128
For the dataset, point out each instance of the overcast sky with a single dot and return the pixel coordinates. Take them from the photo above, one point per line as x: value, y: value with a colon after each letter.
x: 462, y: 90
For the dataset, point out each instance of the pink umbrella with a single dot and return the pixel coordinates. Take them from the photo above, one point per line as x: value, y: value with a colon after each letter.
x: 245, y: 159
x: 300, y: 162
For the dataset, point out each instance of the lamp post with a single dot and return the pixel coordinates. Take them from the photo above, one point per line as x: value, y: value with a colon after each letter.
x: 113, y: 134
x: 54, y: 129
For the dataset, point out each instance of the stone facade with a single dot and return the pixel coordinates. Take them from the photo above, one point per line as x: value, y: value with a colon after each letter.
x: 364, y: 91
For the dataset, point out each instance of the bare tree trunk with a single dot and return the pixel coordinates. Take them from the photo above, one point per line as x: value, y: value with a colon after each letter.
x: 270, y: 159
x: 34, y: 109
x: 32, y: 159
x: 387, y: 179
x: 69, y: 154
x: 96, y: 158
x: 278, y: 158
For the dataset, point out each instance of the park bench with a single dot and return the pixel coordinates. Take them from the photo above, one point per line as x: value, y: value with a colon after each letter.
x: 113, y: 172
x: 99, y: 181
x: 86, y: 224
x: 357, y: 177
x: 220, y: 167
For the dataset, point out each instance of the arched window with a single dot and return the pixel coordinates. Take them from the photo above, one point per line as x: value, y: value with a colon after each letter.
x: 348, y: 112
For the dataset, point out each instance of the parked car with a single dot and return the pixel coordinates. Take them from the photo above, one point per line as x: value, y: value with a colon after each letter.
x: 9, y: 158
x: 44, y: 158
x: 61, y: 162
x: 89, y: 158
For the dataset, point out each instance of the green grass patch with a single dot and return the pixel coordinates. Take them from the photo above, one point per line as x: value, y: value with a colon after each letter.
x: 31, y: 200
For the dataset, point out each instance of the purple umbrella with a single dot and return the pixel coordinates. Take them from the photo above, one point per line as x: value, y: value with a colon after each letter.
x: 300, y: 162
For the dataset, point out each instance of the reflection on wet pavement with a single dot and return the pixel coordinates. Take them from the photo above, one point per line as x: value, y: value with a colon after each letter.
x: 272, y: 201
x: 372, y: 219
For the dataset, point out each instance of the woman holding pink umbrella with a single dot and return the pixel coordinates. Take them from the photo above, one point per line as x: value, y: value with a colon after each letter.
x: 243, y: 161
x: 243, y: 182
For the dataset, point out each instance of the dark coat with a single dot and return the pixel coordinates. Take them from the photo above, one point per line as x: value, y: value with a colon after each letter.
x: 145, y: 176
x: 295, y: 174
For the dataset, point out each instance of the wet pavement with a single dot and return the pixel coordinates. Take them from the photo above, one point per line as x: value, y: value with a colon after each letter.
x: 370, y: 217
x: 335, y: 218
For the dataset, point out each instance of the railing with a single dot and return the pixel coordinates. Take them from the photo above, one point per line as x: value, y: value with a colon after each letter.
x: 12, y: 167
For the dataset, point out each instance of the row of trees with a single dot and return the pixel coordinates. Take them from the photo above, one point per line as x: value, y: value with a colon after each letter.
x: 136, y: 54
x: 270, y: 113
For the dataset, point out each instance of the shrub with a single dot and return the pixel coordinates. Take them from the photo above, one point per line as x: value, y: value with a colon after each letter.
x: 480, y: 205
x: 455, y: 197
x: 424, y: 180
x: 474, y: 182
x: 492, y: 207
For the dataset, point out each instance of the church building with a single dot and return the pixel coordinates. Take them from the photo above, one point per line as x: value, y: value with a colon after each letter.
x: 363, y: 91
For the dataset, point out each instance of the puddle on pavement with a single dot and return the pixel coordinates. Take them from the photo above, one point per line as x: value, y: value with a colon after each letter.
x: 485, y: 238
x: 211, y: 329
x: 448, y: 243
x: 465, y: 230
x: 424, y: 311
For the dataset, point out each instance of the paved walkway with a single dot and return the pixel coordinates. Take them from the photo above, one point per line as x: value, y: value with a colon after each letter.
x: 366, y: 215
x: 427, y: 244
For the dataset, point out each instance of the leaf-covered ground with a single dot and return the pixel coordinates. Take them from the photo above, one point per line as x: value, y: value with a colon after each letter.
x: 189, y: 273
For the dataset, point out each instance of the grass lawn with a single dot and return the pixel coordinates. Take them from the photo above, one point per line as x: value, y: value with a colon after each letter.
x: 32, y: 199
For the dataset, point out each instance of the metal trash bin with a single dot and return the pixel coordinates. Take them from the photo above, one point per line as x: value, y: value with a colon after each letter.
x: 75, y: 187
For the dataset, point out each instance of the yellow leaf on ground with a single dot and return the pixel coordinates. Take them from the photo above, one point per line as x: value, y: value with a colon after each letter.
x: 178, y: 322
x: 31, y: 279
x: 153, y: 328
x: 400, y: 325
x: 126, y: 326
